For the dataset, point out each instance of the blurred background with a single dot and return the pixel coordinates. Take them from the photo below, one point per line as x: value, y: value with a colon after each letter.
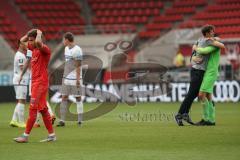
x: 122, y: 35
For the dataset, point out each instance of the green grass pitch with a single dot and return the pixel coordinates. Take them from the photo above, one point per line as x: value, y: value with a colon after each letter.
x: 121, y: 135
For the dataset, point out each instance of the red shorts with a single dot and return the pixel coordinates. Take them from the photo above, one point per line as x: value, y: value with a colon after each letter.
x: 38, y: 98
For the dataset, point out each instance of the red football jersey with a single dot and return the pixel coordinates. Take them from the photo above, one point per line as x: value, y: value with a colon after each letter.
x: 39, y: 64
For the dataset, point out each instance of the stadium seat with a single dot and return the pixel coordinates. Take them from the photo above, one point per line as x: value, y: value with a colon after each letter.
x: 8, y: 30
x: 224, y: 14
x: 153, y: 26
x: 171, y: 15
x: 52, y: 15
x: 130, y: 12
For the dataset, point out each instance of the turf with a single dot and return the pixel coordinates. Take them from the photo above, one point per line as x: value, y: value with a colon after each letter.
x: 122, y: 135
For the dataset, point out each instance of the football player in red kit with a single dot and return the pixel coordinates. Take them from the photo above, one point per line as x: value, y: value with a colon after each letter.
x: 39, y: 67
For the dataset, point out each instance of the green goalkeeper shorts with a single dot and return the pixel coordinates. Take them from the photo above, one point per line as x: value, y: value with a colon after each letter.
x: 208, y: 83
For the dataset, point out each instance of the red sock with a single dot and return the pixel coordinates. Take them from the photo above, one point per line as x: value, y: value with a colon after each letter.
x: 47, y: 120
x: 31, y: 120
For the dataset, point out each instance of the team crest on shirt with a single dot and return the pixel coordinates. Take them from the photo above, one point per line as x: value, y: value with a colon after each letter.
x: 20, y: 60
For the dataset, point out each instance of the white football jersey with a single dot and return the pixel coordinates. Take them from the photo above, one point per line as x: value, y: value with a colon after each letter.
x: 19, y: 60
x: 29, y: 56
x: 72, y: 54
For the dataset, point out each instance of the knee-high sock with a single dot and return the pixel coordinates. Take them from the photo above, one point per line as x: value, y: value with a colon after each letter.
x: 63, y: 110
x: 211, y: 110
x: 47, y: 120
x: 80, y: 111
x: 205, y: 105
x: 31, y: 120
x: 21, y: 109
x: 50, y: 109
x: 15, y: 113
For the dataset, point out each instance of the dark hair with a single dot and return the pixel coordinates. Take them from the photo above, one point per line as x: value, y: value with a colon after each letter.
x: 207, y: 28
x: 69, y: 36
x: 19, y: 42
x: 32, y: 33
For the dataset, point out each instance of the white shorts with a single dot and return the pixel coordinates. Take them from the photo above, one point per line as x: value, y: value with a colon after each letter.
x: 69, y: 82
x: 71, y: 90
x: 21, y: 91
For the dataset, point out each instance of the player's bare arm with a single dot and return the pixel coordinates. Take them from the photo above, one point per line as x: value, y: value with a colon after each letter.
x: 195, y: 58
x: 24, y: 69
x: 218, y: 44
x: 206, y: 50
x: 194, y: 47
x: 24, y: 39
x: 38, y: 39
x: 21, y: 67
x: 214, y: 45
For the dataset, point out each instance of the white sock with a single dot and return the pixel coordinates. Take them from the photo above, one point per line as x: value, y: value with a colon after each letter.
x: 79, y: 107
x: 50, y: 109
x: 52, y: 134
x: 80, y: 111
x: 15, y: 113
x: 21, y: 112
x: 25, y: 134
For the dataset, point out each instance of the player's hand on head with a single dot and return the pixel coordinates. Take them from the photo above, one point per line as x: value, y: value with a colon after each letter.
x: 32, y: 30
x: 217, y: 38
x: 39, y: 31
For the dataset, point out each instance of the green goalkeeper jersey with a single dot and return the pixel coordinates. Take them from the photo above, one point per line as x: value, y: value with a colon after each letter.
x: 214, y: 59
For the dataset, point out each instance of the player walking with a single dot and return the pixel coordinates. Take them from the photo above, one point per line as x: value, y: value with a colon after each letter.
x: 37, y: 123
x: 39, y: 63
